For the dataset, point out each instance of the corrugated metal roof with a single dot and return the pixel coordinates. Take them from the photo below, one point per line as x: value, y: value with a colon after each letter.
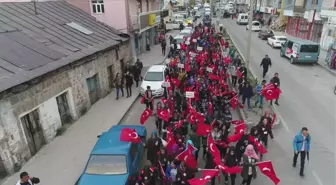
x: 34, y: 43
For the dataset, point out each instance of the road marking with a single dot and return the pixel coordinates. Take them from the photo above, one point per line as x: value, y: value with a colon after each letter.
x: 319, y: 181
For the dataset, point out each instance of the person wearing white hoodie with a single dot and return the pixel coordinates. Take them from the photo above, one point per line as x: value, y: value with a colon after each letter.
x: 25, y: 179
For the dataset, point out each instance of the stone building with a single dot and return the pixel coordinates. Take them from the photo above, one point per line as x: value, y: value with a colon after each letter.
x: 55, y: 62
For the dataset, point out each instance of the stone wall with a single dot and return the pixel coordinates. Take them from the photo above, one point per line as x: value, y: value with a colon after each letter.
x: 40, y: 94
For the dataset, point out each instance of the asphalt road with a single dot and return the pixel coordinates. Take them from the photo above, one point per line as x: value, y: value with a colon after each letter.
x: 307, y: 100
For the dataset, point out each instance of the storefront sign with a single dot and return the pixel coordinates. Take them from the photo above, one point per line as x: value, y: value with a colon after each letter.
x: 190, y: 94
x: 165, y: 84
x: 151, y: 19
x: 180, y: 65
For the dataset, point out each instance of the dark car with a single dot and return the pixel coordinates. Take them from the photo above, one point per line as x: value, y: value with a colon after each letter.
x: 265, y: 34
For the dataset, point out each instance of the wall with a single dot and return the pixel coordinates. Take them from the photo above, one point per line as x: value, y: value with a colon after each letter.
x: 41, y: 95
x: 114, y: 16
x: 82, y: 4
x: 328, y: 3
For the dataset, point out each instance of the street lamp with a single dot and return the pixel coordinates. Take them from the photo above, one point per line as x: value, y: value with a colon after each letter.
x: 248, y: 47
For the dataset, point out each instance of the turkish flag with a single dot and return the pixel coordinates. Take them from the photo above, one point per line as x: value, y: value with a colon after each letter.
x: 188, y: 157
x: 164, y: 100
x: 203, y: 129
x: 178, y: 124
x: 237, y: 122
x: 129, y: 135
x: 222, y: 143
x: 143, y: 100
x: 234, y: 102
x: 271, y: 92
x: 207, y: 175
x: 145, y: 115
x: 170, y: 140
x: 213, y: 148
x: 163, y: 114
x: 261, y: 149
x: 240, y: 128
x: 195, y: 116
x: 214, y: 77
x: 266, y: 167
x: 187, y: 67
x: 233, y: 170
x: 234, y: 138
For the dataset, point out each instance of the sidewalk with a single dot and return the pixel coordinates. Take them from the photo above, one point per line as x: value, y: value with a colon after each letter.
x: 154, y: 56
x: 63, y: 160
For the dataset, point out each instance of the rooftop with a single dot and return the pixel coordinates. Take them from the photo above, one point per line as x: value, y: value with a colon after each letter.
x: 34, y: 42
x: 157, y: 68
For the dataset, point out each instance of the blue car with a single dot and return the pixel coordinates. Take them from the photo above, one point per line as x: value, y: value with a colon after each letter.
x: 113, y: 161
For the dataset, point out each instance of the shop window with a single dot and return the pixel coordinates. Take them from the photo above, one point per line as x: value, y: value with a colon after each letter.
x: 98, y: 6
x: 314, y: 2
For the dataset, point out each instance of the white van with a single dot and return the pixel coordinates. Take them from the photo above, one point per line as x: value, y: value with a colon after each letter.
x: 242, y: 18
x: 256, y: 26
x: 174, y: 25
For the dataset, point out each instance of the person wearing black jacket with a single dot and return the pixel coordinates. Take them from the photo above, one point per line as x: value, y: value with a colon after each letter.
x: 243, y: 70
x: 163, y: 46
x: 129, y: 83
x: 242, y: 144
x: 25, y: 179
x: 231, y: 160
x: 265, y: 63
x: 276, y: 81
x: 184, y: 174
x: 247, y: 93
x: 137, y: 72
x: 265, y: 129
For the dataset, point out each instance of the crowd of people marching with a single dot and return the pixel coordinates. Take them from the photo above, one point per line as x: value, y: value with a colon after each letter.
x: 194, y: 117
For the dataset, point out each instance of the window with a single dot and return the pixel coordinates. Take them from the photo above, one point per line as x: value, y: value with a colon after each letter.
x: 314, y: 2
x: 289, y: 44
x: 282, y: 39
x: 98, y: 6
x: 309, y: 48
x: 154, y: 76
x: 273, y: 38
x: 106, y: 165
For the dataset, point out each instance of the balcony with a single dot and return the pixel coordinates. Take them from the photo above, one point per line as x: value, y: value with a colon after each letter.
x: 328, y: 12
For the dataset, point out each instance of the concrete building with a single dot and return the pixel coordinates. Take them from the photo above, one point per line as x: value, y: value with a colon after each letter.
x: 56, y: 61
x: 304, y: 19
x: 138, y: 18
x: 328, y: 14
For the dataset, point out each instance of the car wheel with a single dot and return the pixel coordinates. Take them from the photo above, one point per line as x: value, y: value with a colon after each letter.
x: 292, y: 60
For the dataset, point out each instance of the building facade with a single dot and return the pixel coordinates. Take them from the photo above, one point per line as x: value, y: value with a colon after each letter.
x: 127, y: 16
x: 328, y: 14
x: 304, y: 19
x: 60, y: 68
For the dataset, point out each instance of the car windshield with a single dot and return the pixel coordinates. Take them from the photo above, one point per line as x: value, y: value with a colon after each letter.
x: 185, y: 34
x: 106, y: 165
x: 282, y: 39
x: 309, y: 48
x: 154, y: 76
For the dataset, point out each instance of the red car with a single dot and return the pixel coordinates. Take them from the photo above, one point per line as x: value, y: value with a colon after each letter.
x: 265, y: 34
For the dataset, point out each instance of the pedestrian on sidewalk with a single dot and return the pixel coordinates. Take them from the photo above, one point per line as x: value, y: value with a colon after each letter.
x: 301, y: 145
x: 137, y: 72
x: 259, y: 89
x: 25, y: 179
x: 233, y: 75
x: 119, y: 85
x: 265, y: 63
x: 276, y: 81
x: 247, y: 95
x: 163, y: 47
x: 129, y: 83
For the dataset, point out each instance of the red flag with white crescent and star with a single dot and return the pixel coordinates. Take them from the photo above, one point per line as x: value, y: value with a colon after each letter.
x: 163, y: 114
x: 213, y: 148
x: 145, y: 115
x: 203, y: 129
x: 129, y: 135
x: 266, y: 167
x: 261, y: 149
x: 240, y: 128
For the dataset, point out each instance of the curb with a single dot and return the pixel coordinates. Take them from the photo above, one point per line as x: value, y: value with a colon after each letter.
x: 132, y: 104
x: 330, y: 71
x: 277, y: 121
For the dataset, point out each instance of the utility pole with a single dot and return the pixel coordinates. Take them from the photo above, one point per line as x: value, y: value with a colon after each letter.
x: 248, y: 47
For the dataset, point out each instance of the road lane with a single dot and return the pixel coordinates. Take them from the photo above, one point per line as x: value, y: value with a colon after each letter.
x: 307, y: 100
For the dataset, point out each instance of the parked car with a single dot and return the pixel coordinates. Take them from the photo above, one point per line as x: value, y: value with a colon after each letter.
x: 256, y: 26
x: 265, y: 34
x: 112, y: 160
x: 242, y: 18
x: 276, y: 41
x: 186, y: 33
x: 154, y: 77
x: 175, y: 24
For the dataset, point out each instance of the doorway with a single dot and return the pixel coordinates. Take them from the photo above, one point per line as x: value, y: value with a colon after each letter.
x: 63, y: 108
x: 110, y: 74
x: 33, y: 131
x: 93, y: 88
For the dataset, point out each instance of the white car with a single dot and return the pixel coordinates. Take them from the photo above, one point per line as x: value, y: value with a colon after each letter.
x: 154, y: 78
x: 186, y: 33
x: 189, y: 29
x: 207, y: 10
x: 256, y: 26
x: 179, y: 39
x: 276, y: 41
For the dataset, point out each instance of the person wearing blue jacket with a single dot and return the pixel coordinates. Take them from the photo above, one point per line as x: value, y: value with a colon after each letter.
x: 171, y: 172
x: 259, y: 89
x: 301, y: 145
